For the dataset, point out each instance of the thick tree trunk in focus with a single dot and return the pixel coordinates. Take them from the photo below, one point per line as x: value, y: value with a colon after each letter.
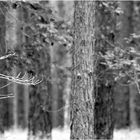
x: 82, y: 96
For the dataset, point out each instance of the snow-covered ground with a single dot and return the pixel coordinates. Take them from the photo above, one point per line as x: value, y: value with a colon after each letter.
x: 64, y: 135
x: 20, y: 134
x: 127, y: 134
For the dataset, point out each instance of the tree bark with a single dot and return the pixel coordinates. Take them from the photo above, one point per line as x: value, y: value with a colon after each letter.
x: 92, y: 96
x: 82, y: 96
x: 104, y: 103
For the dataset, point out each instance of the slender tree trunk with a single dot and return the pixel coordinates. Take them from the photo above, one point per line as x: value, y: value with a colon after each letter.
x: 58, y: 84
x: 82, y: 96
x: 126, y: 21
x: 26, y: 105
x: 132, y: 101
x: 23, y: 92
x: 54, y: 91
x: 133, y: 91
x: 11, y: 42
x: 60, y: 60
x: 124, y: 100
x: 3, y: 91
x: 136, y: 28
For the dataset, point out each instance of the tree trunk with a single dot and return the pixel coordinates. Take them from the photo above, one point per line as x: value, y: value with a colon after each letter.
x: 124, y: 108
x: 136, y: 28
x: 3, y: 91
x: 126, y: 28
x: 60, y: 60
x: 92, y: 101
x: 82, y: 96
x: 132, y: 101
x: 104, y: 104
x: 11, y: 42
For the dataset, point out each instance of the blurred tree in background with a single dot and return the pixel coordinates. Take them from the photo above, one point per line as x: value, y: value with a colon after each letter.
x: 3, y: 104
x: 122, y: 94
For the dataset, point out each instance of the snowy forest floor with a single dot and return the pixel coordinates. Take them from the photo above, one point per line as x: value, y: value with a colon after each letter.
x: 125, y: 134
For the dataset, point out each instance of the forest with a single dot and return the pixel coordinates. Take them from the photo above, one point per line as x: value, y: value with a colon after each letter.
x: 69, y: 70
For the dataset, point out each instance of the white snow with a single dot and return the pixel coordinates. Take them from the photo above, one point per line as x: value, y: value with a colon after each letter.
x: 60, y: 134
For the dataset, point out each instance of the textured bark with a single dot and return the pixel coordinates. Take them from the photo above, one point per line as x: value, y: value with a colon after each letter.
x: 104, y: 104
x: 82, y: 96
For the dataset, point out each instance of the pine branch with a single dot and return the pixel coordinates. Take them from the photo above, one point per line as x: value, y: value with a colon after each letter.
x: 22, y: 80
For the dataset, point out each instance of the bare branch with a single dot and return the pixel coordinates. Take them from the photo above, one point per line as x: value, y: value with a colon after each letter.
x: 22, y: 80
x: 6, y: 56
x: 6, y: 85
x: 6, y: 96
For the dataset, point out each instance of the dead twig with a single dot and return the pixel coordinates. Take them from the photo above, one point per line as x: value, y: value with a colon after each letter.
x: 24, y: 80
x: 6, y: 96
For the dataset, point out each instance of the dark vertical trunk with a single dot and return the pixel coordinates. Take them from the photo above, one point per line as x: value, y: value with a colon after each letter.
x: 82, y: 96
x: 124, y: 98
x: 104, y: 122
x: 19, y: 91
x: 104, y: 104
x: 58, y: 85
